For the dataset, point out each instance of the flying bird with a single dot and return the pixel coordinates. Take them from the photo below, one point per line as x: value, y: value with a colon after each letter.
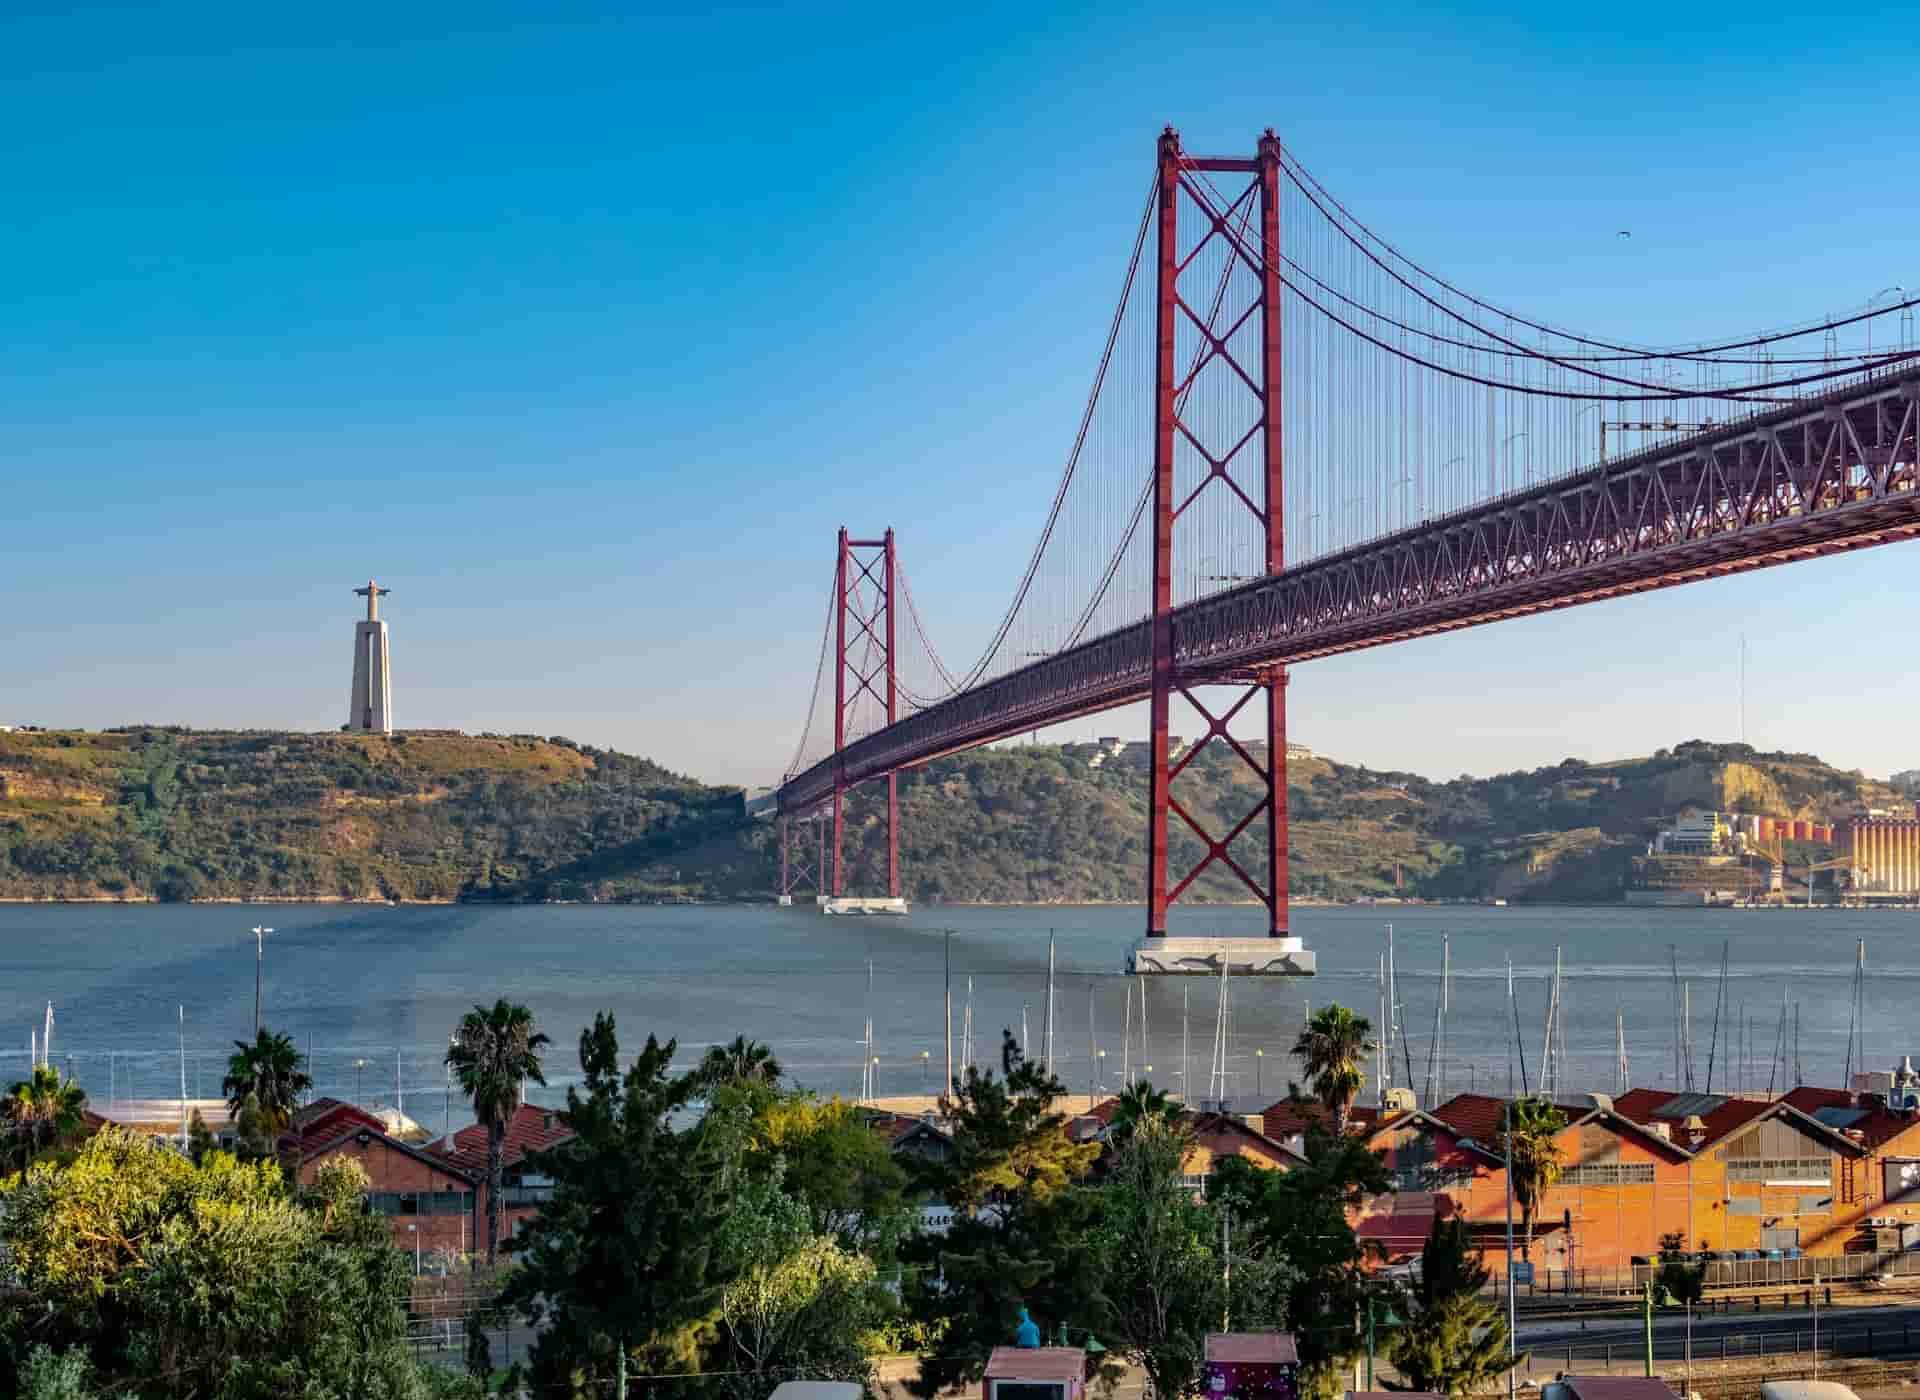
x: 1626, y: 233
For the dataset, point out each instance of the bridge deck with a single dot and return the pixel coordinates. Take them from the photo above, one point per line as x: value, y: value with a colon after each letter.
x: 1827, y: 474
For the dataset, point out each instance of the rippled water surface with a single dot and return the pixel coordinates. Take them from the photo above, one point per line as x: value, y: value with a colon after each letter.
x: 379, y: 984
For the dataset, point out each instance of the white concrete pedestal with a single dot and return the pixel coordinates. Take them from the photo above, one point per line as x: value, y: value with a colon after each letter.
x: 852, y: 904
x: 1202, y: 957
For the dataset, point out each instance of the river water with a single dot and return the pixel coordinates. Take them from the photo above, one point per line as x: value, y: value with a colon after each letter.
x: 385, y: 986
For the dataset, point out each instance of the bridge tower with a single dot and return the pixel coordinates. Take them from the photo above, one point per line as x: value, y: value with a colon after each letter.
x: 863, y: 592
x: 1183, y: 449
x: 803, y: 854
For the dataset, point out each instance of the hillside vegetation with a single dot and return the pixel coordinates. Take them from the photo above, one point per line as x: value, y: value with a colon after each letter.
x: 173, y: 814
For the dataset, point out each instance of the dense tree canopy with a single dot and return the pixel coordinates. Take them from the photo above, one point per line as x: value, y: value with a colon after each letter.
x: 160, y: 1278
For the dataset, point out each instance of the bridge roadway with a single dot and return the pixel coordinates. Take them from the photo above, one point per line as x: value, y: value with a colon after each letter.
x: 1822, y: 475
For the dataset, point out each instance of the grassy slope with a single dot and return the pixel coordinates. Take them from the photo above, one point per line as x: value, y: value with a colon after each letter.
x: 177, y: 814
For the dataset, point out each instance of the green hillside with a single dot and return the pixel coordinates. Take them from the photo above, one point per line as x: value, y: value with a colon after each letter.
x: 173, y: 814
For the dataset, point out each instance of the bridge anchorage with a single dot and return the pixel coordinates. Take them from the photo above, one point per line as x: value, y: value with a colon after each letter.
x: 1420, y: 460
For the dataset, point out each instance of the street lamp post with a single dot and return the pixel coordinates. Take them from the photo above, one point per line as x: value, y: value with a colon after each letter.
x: 358, y: 1066
x: 1259, y: 1063
x: 1506, y: 1116
x: 924, y: 1057
x: 259, y: 957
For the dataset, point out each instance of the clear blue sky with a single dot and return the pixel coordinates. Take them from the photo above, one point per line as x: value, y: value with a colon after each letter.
x: 585, y: 333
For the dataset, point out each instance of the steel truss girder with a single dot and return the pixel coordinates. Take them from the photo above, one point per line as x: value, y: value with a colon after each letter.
x: 1832, y: 474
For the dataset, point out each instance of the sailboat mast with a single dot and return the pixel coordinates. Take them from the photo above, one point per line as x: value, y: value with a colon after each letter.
x: 1186, y: 1062
x: 1049, y: 1013
x: 1382, y: 1056
x: 1673, y: 951
x: 1519, y: 1047
x: 1686, y: 1028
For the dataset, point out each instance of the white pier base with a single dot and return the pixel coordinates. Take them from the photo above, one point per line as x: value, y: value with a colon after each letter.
x: 1244, y: 957
x: 786, y: 901
x: 849, y: 904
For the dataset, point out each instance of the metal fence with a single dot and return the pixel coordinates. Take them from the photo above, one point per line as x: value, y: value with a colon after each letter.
x: 1805, y: 1271
x: 1849, y: 1339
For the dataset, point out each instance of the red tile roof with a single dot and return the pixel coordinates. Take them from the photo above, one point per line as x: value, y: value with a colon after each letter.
x: 324, y: 1121
x: 1295, y: 1116
x: 1876, y: 1125
x: 1649, y: 1106
x: 1619, y: 1387
x: 1269, y: 1347
x: 1210, y: 1128
x: 1477, y: 1116
x: 1037, y: 1364
x: 1398, y: 1223
x: 531, y: 1129
x: 891, y: 1127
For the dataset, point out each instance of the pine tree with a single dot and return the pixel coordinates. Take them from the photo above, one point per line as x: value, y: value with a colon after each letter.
x: 1456, y: 1341
x: 622, y: 1258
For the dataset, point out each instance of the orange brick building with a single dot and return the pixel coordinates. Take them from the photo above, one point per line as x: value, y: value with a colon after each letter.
x: 1818, y: 1171
x: 429, y: 1204
x: 1876, y: 1187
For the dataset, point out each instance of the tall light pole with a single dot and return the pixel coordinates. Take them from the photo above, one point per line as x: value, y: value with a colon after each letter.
x: 358, y: 1066
x: 1259, y: 1063
x: 1507, y: 1151
x: 259, y: 956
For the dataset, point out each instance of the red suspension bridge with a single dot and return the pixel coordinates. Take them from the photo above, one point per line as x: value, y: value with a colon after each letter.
x: 1301, y: 442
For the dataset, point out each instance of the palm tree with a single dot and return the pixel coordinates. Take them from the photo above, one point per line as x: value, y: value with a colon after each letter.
x: 741, y: 1062
x: 1140, y: 1103
x: 42, y: 1112
x: 1332, y: 1048
x: 265, y: 1081
x: 493, y: 1055
x: 1533, y: 1126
